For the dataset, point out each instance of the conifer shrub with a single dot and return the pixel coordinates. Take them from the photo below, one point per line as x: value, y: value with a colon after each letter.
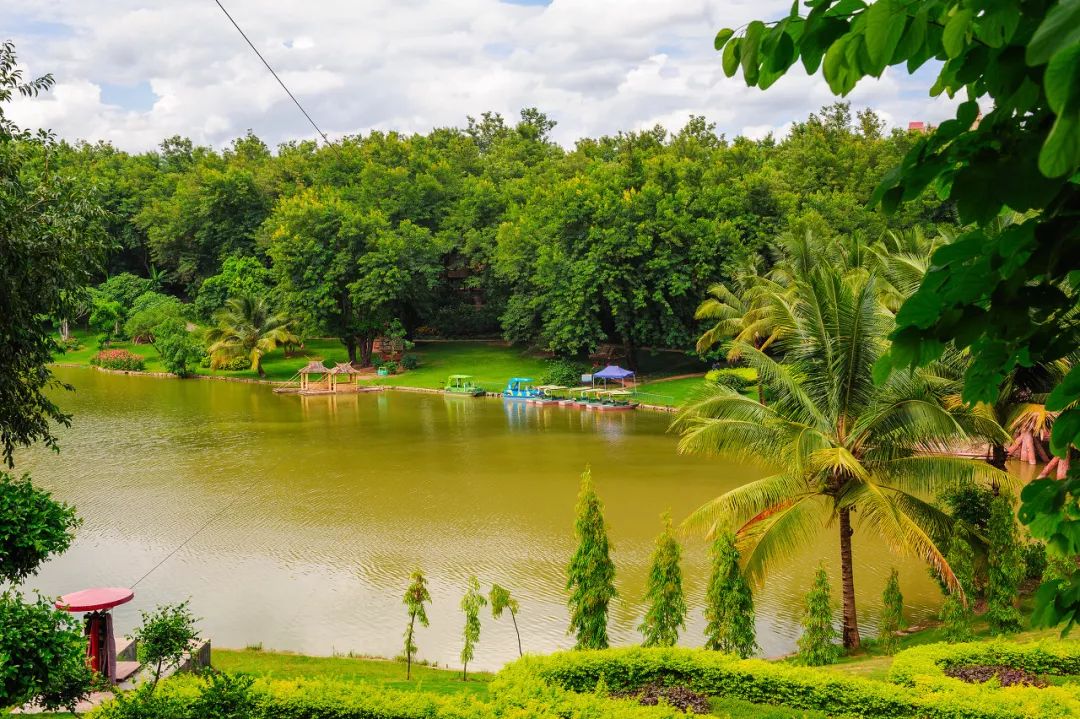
x: 591, y: 573
x: 666, y: 612
x: 1005, y: 568
x: 892, y: 614
x: 817, y: 645
x: 956, y: 612
x: 729, y: 602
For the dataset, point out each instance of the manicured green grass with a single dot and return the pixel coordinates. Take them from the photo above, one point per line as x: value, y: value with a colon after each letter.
x: 385, y: 673
x: 670, y: 393
x: 490, y: 364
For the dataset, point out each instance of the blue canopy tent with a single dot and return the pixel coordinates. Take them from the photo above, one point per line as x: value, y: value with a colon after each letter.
x: 613, y: 372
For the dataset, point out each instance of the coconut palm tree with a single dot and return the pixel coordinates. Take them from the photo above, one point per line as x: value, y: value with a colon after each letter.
x: 246, y: 327
x: 840, y: 446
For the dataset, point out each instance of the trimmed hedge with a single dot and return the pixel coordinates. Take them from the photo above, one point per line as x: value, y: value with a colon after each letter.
x: 796, y: 687
x: 179, y: 698
x: 931, y: 660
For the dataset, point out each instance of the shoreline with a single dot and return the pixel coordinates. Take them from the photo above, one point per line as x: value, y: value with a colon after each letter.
x: 278, y: 383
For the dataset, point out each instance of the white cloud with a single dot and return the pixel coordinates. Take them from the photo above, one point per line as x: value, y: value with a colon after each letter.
x: 595, y: 66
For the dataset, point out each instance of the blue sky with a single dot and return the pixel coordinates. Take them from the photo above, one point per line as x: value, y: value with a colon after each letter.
x: 134, y: 72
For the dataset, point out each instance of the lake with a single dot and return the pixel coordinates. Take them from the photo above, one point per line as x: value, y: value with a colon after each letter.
x: 316, y: 510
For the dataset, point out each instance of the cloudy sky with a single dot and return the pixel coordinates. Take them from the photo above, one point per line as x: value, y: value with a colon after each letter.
x: 135, y: 72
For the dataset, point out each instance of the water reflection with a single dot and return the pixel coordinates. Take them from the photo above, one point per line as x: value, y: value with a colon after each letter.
x: 343, y: 495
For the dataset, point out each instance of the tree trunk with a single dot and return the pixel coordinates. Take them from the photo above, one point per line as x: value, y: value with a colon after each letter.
x: 1050, y: 467
x: 1063, y: 466
x: 366, y: 344
x: 851, y: 622
x: 350, y: 347
x: 65, y: 330
x: 408, y: 649
x: 1027, y: 448
x: 514, y: 618
x: 1043, y: 456
x: 465, y: 672
x: 998, y: 455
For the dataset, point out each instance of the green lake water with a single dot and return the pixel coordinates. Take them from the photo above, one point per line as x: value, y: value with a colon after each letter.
x: 340, y: 497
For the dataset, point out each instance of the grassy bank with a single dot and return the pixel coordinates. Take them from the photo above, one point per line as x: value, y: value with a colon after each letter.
x: 490, y: 363
x: 383, y: 672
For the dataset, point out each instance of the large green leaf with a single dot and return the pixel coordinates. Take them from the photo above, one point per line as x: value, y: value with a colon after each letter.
x: 955, y: 35
x: 884, y: 28
x: 722, y: 37
x: 1059, y: 29
x: 1062, y: 79
x: 1060, y: 154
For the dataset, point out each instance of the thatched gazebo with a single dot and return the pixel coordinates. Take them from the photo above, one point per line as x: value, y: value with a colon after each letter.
x: 314, y: 368
x: 343, y: 371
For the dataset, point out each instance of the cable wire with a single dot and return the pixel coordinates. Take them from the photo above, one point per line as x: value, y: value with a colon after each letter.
x: 280, y: 82
x: 198, y: 531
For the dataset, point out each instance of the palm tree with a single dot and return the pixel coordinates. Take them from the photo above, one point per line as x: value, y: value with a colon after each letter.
x: 839, y: 443
x: 246, y: 327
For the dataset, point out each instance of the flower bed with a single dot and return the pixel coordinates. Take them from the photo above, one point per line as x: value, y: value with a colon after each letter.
x: 119, y: 359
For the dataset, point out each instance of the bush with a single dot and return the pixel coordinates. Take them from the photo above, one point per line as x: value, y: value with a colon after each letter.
x: 192, y: 697
x: 71, y: 344
x: 1035, y: 560
x: 564, y: 372
x: 410, y: 361
x: 235, y: 364
x: 390, y: 367
x: 119, y: 359
x: 762, y: 682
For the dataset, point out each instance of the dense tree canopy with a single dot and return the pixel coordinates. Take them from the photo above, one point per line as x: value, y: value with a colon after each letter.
x: 489, y: 230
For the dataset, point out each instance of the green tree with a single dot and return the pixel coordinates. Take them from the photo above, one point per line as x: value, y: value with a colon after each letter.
x: 165, y: 637
x: 1005, y: 568
x: 246, y: 327
x: 49, y: 248
x: 33, y: 527
x: 179, y: 348
x: 239, y: 275
x: 416, y: 596
x: 105, y: 317
x: 471, y: 604
x: 845, y: 443
x: 591, y: 573
x: 892, y: 613
x: 501, y: 600
x: 1010, y: 308
x: 42, y: 654
x: 817, y: 645
x: 729, y: 602
x: 666, y: 612
x: 956, y: 614
x: 48, y: 252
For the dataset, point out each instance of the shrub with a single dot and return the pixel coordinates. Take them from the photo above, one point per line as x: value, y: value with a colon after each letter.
x: 33, y: 527
x: 956, y: 613
x: 410, y: 361
x: 390, y: 367
x: 71, y: 344
x: 1005, y: 571
x: 165, y: 636
x: 729, y: 602
x: 664, y: 593
x: 1035, y: 561
x: 564, y: 372
x: 762, y: 682
x: 817, y: 645
x: 233, y: 364
x: 119, y: 359
x: 892, y: 615
x: 591, y: 573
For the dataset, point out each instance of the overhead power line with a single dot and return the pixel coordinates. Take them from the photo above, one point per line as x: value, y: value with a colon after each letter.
x: 280, y: 82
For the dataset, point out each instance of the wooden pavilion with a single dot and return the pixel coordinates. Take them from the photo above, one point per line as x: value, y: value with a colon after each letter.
x: 343, y: 372
x: 315, y: 377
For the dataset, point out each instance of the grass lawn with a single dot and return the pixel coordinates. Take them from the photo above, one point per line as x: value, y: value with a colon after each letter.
x: 672, y: 392
x: 490, y: 363
x: 385, y: 673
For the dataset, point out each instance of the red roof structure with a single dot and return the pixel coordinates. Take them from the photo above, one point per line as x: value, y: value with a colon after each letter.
x: 94, y: 600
